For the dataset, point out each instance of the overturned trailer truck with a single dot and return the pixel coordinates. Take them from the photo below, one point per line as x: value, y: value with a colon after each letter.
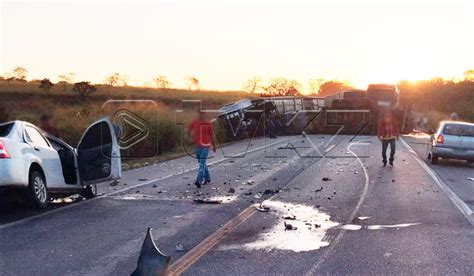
x: 353, y: 112
x: 247, y: 117
x: 357, y: 111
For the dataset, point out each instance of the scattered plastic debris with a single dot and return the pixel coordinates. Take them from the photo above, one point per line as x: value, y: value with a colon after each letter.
x: 326, y: 179
x: 318, y: 190
x: 114, y: 183
x: 470, y: 178
x: 180, y: 248
x: 352, y: 227
x: 262, y: 208
x: 270, y: 192
x: 208, y: 201
x: 289, y: 226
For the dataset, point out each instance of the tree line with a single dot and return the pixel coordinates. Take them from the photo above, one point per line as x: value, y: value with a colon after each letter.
x: 435, y: 94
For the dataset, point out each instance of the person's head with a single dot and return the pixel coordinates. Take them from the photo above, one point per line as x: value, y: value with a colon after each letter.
x: 45, y: 120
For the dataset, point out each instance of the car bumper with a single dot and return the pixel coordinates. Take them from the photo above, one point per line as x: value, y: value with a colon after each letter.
x: 464, y: 154
x: 13, y: 173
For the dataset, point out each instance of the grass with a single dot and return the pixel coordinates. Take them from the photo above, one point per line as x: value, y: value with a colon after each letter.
x: 72, y: 115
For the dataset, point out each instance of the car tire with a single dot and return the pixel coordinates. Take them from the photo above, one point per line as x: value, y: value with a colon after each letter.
x: 434, y: 159
x: 89, y: 192
x: 37, y: 191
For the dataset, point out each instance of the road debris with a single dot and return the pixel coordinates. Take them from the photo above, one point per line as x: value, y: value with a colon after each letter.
x: 292, y: 217
x: 318, y: 190
x: 289, y: 226
x: 114, y: 183
x: 231, y: 191
x: 142, y: 179
x: 262, y: 208
x: 268, y: 192
x: 180, y: 248
x: 151, y: 260
x: 470, y: 178
x: 326, y: 179
x: 207, y: 201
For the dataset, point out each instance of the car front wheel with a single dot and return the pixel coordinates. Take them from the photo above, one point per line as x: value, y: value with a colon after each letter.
x: 37, y: 192
x: 89, y: 192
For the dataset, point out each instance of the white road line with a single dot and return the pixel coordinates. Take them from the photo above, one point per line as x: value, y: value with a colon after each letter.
x: 458, y: 202
x: 338, y: 238
x: 80, y: 203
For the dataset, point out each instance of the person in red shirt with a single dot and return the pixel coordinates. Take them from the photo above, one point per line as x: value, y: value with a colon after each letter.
x: 387, y: 132
x: 202, y: 134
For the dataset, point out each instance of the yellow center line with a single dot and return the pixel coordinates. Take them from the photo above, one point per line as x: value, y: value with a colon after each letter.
x: 193, y: 255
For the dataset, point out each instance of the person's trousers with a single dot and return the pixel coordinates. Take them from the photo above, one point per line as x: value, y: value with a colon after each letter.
x: 203, y: 172
x: 385, y: 143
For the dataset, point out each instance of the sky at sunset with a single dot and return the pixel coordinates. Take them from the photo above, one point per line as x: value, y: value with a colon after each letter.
x: 224, y: 43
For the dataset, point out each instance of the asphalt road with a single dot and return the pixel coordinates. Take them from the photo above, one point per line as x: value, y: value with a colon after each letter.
x: 348, y: 215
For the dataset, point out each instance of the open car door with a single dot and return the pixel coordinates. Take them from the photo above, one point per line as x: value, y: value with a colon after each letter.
x: 98, y: 154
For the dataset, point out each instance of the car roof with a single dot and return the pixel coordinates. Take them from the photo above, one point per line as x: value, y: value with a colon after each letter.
x: 456, y: 123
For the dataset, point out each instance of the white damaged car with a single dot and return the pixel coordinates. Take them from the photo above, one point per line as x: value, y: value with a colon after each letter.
x: 45, y: 167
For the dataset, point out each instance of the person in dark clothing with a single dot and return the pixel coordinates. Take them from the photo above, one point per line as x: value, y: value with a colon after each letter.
x: 271, y: 125
x: 3, y: 115
x: 387, y: 132
x: 46, y: 125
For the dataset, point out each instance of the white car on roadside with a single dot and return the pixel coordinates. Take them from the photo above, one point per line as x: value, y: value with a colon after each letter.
x: 45, y: 167
x: 452, y: 140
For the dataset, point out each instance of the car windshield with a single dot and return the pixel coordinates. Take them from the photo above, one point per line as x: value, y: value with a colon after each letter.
x: 459, y: 130
x: 5, y: 129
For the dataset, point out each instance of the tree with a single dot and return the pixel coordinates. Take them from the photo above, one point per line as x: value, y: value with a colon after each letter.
x: 83, y: 88
x: 469, y: 75
x: 162, y: 82
x: 332, y: 87
x: 193, y: 83
x: 46, y: 85
x: 314, y: 85
x: 116, y: 79
x: 283, y: 87
x: 65, y: 79
x: 252, y: 85
x: 19, y: 73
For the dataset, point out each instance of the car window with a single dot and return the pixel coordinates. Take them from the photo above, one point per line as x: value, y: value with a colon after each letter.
x: 98, y: 135
x: 5, y: 129
x: 459, y: 130
x: 56, y: 145
x: 33, y: 136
